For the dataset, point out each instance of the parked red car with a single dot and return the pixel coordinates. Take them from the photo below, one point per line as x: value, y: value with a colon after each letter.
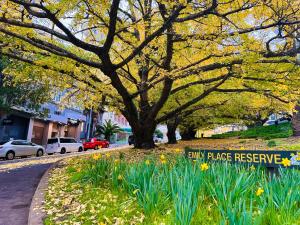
x: 95, y: 143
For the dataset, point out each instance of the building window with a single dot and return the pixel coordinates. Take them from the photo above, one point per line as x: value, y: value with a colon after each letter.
x: 57, y: 112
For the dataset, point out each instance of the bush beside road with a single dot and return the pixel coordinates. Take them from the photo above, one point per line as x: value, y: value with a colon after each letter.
x: 266, y: 132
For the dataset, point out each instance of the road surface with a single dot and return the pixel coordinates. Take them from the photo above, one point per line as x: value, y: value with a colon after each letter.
x: 18, y: 181
x: 16, y: 190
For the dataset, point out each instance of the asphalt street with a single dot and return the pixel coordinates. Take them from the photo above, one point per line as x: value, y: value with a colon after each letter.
x: 19, y: 179
x: 17, y: 187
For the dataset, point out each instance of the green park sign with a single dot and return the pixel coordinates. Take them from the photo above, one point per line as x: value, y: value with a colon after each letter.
x: 268, y: 158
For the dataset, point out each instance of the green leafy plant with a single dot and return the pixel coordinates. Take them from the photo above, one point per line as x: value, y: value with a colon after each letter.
x: 184, y: 192
x: 266, y: 132
x: 272, y: 143
x: 107, y: 129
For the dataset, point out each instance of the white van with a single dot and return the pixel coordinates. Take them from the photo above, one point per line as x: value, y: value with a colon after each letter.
x: 62, y: 145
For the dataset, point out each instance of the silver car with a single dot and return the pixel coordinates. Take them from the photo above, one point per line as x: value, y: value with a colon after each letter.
x: 20, y: 148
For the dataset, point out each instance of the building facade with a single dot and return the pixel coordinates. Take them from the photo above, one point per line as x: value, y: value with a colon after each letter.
x: 94, y: 119
x: 20, y: 123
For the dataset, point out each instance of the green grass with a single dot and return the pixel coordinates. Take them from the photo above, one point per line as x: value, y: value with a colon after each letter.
x: 266, y: 132
x: 173, y: 191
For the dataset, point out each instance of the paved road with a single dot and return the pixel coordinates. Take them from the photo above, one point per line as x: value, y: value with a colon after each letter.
x: 17, y: 187
x: 18, y: 181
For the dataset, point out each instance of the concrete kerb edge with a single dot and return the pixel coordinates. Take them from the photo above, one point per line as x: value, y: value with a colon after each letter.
x: 36, y: 215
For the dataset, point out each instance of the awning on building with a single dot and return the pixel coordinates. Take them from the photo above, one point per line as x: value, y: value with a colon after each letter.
x: 127, y: 130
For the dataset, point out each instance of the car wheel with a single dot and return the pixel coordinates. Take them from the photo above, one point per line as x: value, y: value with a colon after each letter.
x: 39, y: 153
x: 63, y: 151
x: 80, y: 149
x: 10, y: 155
x: 96, y: 147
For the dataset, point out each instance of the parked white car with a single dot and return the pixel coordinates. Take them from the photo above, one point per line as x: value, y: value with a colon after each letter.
x: 63, y: 145
x: 20, y: 148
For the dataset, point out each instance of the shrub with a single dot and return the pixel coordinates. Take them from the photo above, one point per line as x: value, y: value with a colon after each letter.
x: 271, y: 143
x: 266, y: 132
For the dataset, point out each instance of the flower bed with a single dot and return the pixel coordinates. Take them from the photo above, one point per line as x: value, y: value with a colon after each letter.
x: 168, y: 189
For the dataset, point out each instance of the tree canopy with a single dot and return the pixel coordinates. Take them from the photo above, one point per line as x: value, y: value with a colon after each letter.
x: 146, y: 55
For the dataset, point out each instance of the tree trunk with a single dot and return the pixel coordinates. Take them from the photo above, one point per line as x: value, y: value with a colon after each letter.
x: 143, y: 138
x: 143, y: 135
x: 171, y: 133
x: 296, y: 121
x: 188, y: 133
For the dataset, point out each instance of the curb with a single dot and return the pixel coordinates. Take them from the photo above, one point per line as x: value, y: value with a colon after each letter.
x: 36, y: 215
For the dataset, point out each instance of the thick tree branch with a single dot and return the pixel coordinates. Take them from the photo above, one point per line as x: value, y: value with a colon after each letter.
x: 46, y: 13
x: 152, y: 36
x: 193, y: 101
x: 113, y: 15
x: 52, y: 48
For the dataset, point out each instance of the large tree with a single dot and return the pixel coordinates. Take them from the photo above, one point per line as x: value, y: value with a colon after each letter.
x: 151, y: 51
x: 217, y: 109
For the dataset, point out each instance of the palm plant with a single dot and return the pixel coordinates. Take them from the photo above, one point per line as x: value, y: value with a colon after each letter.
x: 107, y: 129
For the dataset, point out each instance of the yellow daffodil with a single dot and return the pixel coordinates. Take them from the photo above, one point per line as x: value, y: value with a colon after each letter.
x: 120, y: 177
x: 96, y: 156
x: 204, y: 166
x: 163, y: 161
x: 117, y: 161
x: 107, y: 155
x: 147, y: 162
x: 286, y: 162
x: 177, y: 150
x: 298, y: 156
x: 162, y: 157
x: 259, y: 191
x: 252, y: 168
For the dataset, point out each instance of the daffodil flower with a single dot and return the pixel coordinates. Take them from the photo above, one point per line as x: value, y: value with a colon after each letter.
x: 162, y: 157
x: 96, y: 156
x: 204, y: 166
x: 177, y: 150
x: 259, y: 191
x: 252, y: 168
x: 163, y: 161
x: 286, y: 162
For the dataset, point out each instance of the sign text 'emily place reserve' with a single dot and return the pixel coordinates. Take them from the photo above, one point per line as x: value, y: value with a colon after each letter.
x: 270, y: 158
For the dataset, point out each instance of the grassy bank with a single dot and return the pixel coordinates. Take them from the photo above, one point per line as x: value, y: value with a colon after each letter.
x: 266, y: 132
x: 168, y: 189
